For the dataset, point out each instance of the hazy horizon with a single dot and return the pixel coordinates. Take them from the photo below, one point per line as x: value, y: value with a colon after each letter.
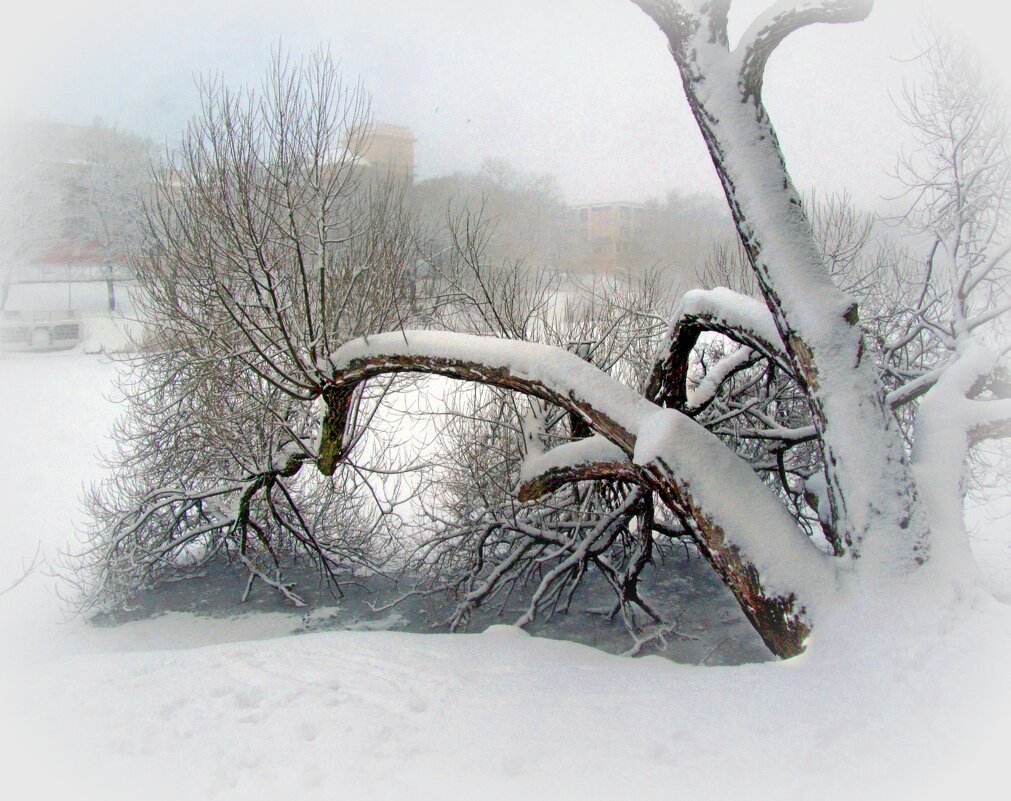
x: 587, y: 92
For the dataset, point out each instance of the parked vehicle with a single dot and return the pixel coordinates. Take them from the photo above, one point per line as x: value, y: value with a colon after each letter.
x: 40, y: 330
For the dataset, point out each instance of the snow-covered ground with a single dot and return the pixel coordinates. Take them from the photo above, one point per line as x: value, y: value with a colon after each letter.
x: 186, y: 707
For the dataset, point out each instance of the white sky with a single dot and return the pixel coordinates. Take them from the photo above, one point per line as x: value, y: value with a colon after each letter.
x: 583, y: 89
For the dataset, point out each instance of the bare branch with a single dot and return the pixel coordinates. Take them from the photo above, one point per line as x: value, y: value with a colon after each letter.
x: 26, y: 570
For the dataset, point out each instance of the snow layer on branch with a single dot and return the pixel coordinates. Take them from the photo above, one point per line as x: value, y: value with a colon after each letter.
x: 560, y: 371
x: 749, y: 513
x: 586, y: 451
x: 753, y: 163
x: 732, y: 310
x: 710, y: 384
x: 727, y: 310
x: 778, y: 15
x: 861, y: 440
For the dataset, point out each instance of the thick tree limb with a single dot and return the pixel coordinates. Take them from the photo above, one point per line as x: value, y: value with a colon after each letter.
x: 555, y: 478
x: 587, y: 459
x: 673, y: 19
x: 773, y: 26
x: 735, y: 535
x: 816, y: 320
x: 747, y: 535
x: 551, y: 374
x: 914, y: 389
x: 989, y: 420
x: 678, y: 23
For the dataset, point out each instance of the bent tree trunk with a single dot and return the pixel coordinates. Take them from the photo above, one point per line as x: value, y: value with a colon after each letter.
x: 806, y: 324
x: 874, y: 510
x: 774, y: 571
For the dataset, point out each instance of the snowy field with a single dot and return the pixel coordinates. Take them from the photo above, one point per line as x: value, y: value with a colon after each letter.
x: 182, y: 706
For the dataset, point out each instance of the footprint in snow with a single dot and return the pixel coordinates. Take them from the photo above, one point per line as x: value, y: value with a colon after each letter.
x: 308, y: 730
x: 247, y: 699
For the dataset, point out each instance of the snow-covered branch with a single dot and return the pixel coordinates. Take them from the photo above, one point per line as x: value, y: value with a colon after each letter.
x: 816, y: 320
x: 989, y: 420
x: 675, y: 20
x: 586, y: 459
x: 771, y: 27
x: 755, y: 545
x: 721, y: 310
x: 543, y: 371
x: 750, y: 537
x: 707, y: 390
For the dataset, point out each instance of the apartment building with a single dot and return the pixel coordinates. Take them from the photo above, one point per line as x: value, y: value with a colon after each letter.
x: 613, y: 231
x: 390, y: 151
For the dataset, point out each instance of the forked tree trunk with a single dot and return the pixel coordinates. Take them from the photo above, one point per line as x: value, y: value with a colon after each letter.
x: 871, y: 492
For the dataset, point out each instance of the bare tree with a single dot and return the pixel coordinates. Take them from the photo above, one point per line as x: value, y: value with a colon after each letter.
x: 529, y: 217
x: 265, y: 246
x: 29, y: 207
x: 678, y: 233
x: 112, y: 182
x: 959, y: 182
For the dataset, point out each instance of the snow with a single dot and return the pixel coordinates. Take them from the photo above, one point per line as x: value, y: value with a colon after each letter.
x: 746, y: 319
x: 915, y: 704
x: 101, y: 331
x: 732, y: 310
x: 860, y: 441
x: 585, y: 451
x: 944, y: 422
x: 706, y: 390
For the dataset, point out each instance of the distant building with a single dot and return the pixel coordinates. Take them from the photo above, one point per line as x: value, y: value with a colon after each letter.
x: 390, y: 151
x: 614, y: 233
x: 67, y: 194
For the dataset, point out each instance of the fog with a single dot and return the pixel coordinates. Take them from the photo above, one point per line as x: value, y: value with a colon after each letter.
x: 584, y: 91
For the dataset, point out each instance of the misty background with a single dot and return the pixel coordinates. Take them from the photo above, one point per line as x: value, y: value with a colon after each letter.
x: 581, y: 91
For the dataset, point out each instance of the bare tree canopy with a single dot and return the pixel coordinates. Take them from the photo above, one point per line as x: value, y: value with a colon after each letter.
x: 68, y: 194
x: 265, y: 248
